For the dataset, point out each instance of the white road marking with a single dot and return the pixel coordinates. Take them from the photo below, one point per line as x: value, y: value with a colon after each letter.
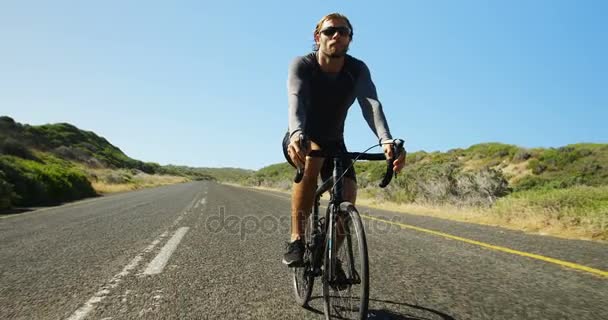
x: 203, y: 201
x: 158, y: 264
x: 88, y: 306
x: 177, y: 221
x: 191, y: 205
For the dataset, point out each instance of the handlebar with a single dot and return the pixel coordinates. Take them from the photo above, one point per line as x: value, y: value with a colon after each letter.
x: 396, y: 144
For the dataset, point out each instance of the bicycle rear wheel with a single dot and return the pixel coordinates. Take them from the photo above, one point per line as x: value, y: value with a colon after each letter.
x: 303, y: 278
x: 346, y: 297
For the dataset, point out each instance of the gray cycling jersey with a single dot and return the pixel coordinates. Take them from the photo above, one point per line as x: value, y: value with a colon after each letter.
x: 319, y: 101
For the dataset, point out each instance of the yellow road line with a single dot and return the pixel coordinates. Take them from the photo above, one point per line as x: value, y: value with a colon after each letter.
x: 562, y: 263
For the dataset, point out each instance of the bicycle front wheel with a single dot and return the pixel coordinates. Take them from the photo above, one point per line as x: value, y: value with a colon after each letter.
x: 303, y: 279
x: 346, y: 267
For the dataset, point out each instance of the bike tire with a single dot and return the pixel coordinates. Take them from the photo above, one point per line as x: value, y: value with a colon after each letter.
x: 352, y: 302
x: 303, y: 283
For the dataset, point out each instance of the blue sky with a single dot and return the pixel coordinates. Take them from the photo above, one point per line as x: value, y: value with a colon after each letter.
x: 203, y: 83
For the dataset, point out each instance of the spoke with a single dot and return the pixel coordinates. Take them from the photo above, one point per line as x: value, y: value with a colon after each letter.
x: 346, y: 303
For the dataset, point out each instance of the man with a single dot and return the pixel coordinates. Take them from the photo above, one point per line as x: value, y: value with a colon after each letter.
x: 321, y: 87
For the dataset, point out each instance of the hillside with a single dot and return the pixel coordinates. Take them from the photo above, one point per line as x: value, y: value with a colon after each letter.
x: 560, y: 189
x: 54, y: 163
x: 67, y: 142
x: 483, y: 170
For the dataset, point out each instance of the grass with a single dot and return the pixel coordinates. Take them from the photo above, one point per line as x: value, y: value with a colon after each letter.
x: 516, y: 171
x: 106, y: 188
x: 582, y: 210
x: 579, y: 212
x: 575, y: 213
x: 112, y: 181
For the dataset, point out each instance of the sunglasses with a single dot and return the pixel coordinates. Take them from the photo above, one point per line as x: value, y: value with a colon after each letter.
x: 330, y: 31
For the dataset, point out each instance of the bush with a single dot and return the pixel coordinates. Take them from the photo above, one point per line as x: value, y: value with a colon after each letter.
x: 536, y: 166
x: 446, y: 183
x: 7, y: 195
x: 8, y: 125
x: 118, y: 177
x: 149, y: 167
x: 491, y: 150
x: 11, y: 146
x: 36, y: 183
x: 557, y: 159
x: 521, y: 155
x: 73, y: 153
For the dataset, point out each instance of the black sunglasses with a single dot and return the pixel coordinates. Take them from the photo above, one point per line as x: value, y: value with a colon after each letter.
x: 330, y: 31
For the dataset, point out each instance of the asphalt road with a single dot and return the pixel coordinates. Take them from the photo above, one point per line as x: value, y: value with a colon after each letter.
x: 210, y: 251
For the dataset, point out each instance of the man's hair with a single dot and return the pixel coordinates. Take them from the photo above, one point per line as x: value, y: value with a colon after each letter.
x: 330, y: 16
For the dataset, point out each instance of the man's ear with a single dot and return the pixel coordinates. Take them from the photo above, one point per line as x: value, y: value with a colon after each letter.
x: 317, y: 38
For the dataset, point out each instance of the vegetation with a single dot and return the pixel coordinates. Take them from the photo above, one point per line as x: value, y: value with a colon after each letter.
x: 54, y: 163
x: 573, y: 206
x: 67, y: 142
x: 566, y: 186
x: 221, y: 174
x: 46, y: 181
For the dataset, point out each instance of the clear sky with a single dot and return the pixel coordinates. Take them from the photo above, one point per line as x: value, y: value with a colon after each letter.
x: 203, y: 83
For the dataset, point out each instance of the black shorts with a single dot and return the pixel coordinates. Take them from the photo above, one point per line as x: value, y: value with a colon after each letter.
x: 328, y: 165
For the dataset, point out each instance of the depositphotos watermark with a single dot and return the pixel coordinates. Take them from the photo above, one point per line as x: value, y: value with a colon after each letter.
x: 266, y: 224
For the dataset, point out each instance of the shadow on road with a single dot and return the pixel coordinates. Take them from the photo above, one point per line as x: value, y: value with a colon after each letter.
x: 14, y: 211
x: 384, y: 314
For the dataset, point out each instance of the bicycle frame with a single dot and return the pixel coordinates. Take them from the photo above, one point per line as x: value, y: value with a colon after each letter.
x: 320, y: 232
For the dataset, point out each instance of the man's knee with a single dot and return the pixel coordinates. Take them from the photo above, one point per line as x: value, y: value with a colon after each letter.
x: 312, y: 168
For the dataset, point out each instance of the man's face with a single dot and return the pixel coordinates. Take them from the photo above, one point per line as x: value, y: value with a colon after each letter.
x: 333, y: 38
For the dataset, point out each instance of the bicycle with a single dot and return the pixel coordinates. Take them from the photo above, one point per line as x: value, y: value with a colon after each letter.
x: 346, y: 293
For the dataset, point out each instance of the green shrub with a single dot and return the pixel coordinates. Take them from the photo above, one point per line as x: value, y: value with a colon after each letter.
x: 7, y: 195
x: 491, y: 150
x: 11, y: 146
x: 37, y: 183
x: 438, y: 183
x: 536, y: 166
x: 521, y: 155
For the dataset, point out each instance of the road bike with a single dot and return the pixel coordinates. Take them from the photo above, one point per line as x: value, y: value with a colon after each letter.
x: 335, y: 245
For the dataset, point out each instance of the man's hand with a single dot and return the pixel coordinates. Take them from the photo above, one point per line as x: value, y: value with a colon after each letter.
x: 399, y: 163
x: 296, y: 152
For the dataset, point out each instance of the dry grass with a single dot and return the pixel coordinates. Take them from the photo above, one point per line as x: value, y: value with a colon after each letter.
x: 521, y: 217
x: 472, y: 165
x: 527, y: 220
x: 512, y: 171
x: 138, y: 181
x: 105, y: 188
x: 147, y: 180
x: 515, y: 171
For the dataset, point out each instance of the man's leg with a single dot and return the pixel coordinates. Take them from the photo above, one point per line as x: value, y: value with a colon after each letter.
x: 302, y: 196
x: 302, y: 199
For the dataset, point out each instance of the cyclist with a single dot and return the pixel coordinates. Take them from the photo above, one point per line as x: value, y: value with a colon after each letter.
x: 321, y: 87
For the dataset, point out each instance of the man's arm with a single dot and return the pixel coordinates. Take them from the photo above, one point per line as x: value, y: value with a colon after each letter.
x: 371, y: 106
x: 297, y: 90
